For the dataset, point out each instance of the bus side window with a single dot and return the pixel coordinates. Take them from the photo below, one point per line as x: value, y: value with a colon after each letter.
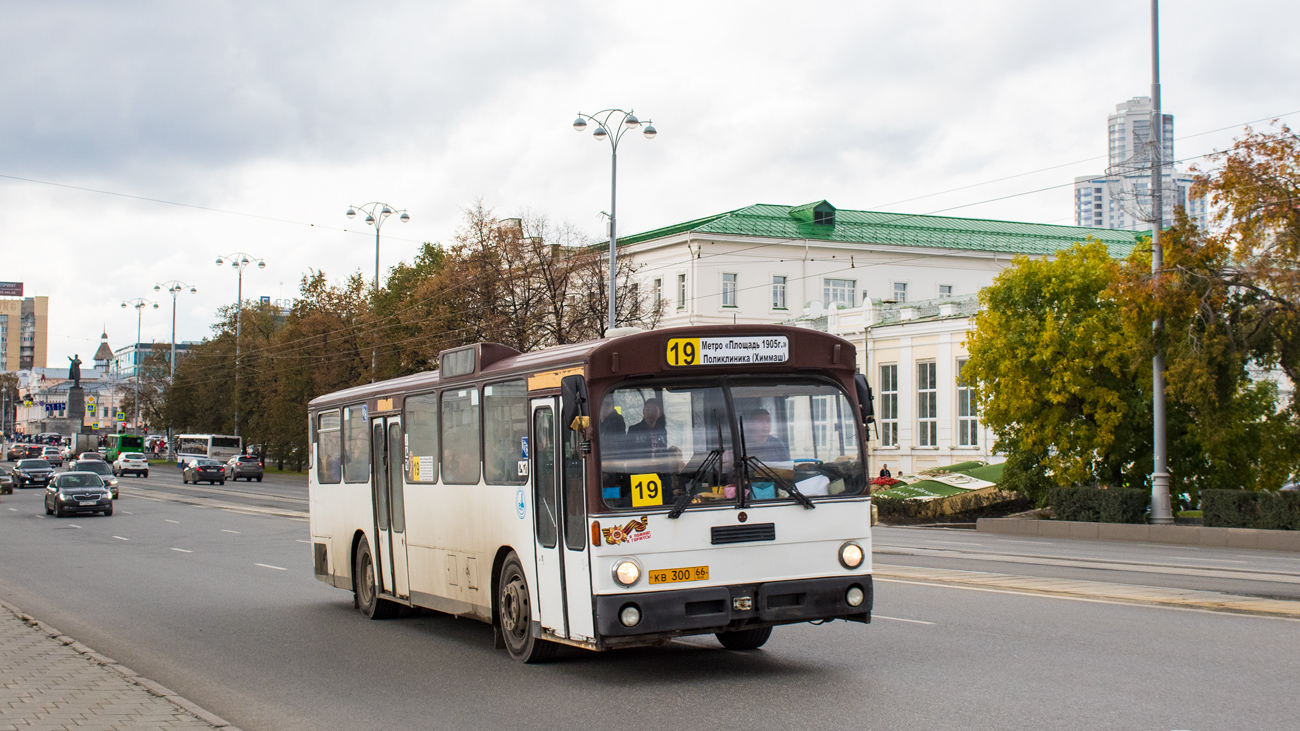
x: 421, y: 422
x: 505, y: 425
x: 460, y: 436
x: 356, y: 446
x: 329, y: 457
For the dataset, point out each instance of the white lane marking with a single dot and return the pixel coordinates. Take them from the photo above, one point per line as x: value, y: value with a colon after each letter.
x: 226, y: 530
x: 269, y: 566
x: 13, y: 510
x: 1030, y: 543
x: 120, y: 538
x: 302, y: 541
x: 182, y: 550
x: 900, y: 619
x: 954, y: 543
x: 127, y: 512
x: 73, y: 526
x: 169, y: 520
x: 1087, y: 600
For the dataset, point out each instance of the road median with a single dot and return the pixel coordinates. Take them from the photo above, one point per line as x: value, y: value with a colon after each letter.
x: 1093, y: 590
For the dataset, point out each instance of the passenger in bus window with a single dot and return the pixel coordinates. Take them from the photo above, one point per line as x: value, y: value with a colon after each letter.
x: 650, y: 434
x: 611, y: 422
x: 759, y: 441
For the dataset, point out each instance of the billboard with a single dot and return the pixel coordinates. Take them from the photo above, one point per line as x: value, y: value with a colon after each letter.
x: 11, y: 289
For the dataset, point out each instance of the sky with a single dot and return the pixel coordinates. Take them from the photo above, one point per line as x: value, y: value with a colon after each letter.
x: 139, y: 141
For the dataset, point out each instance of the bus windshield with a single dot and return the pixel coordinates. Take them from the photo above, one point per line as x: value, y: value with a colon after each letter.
x: 662, y: 444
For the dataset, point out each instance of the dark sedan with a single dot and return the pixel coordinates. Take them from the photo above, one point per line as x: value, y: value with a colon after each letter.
x: 7, y: 480
x: 204, y: 470
x: 34, y: 472
x: 77, y: 492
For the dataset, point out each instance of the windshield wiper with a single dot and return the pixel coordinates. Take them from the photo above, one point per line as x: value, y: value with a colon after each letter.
x: 714, y: 461
x: 751, y: 462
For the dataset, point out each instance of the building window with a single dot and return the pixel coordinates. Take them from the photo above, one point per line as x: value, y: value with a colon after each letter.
x: 728, y: 290
x: 778, y: 293
x: 681, y: 291
x: 889, y: 405
x: 945, y: 291
x: 659, y: 293
x: 900, y: 291
x: 839, y: 291
x: 927, y: 404
x: 967, y: 412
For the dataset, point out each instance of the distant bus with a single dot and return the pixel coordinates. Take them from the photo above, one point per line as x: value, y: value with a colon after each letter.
x: 220, y: 447
x: 119, y: 443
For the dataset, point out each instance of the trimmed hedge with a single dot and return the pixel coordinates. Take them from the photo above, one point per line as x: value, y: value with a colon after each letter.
x: 1242, y: 509
x: 1091, y: 505
x: 955, y: 509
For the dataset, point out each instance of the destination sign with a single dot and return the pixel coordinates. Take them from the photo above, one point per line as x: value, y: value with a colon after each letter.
x: 728, y: 351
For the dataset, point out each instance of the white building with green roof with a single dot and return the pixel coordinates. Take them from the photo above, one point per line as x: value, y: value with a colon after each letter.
x: 901, y: 287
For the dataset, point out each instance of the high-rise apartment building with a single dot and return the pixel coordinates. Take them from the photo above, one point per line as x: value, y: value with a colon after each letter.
x: 24, y: 332
x: 1121, y: 197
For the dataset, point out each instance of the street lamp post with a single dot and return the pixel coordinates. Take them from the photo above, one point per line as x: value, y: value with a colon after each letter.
x: 174, y: 287
x: 376, y: 213
x: 1161, y: 505
x: 239, y: 261
x: 622, y: 125
x: 139, y: 304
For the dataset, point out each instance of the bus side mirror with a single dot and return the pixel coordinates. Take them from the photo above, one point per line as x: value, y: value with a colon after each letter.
x: 866, y: 401
x: 574, y: 411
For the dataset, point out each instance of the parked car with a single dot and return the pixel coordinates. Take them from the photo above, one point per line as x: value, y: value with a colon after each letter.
x: 131, y: 462
x: 33, y: 472
x: 78, y: 492
x: 98, y: 467
x: 203, y: 469
x: 7, y: 480
x: 247, y: 466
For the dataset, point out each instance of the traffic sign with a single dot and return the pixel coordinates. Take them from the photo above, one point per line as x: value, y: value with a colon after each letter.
x: 121, y: 416
x: 90, y: 400
x: 90, y: 409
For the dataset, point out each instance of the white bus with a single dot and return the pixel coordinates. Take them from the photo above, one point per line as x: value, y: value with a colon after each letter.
x: 220, y: 447
x: 605, y: 494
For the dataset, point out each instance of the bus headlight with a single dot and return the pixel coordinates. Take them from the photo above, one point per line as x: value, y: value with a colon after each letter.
x: 629, y: 615
x: 851, y: 555
x: 854, y: 596
x: 627, y: 572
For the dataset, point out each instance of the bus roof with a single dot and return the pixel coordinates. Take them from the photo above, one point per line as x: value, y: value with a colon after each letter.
x: 641, y: 353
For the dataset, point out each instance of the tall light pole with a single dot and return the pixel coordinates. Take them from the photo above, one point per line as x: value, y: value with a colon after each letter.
x: 174, y: 287
x: 239, y: 261
x: 376, y: 214
x: 622, y: 125
x: 139, y: 304
x: 1161, y: 509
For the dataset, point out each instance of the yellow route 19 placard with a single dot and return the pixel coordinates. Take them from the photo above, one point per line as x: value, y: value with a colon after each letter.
x: 647, y: 490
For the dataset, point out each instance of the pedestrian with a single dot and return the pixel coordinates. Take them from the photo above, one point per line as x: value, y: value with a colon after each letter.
x: 884, y: 471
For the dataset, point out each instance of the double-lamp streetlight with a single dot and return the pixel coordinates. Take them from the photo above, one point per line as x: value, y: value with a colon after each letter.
x: 139, y: 304
x: 621, y: 125
x: 376, y: 213
x: 174, y: 288
x: 239, y: 261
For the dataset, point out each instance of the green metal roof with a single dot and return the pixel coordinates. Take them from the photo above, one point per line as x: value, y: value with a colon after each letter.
x: 898, y: 229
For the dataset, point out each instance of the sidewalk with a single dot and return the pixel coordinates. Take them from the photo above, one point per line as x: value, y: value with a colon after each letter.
x: 49, y: 681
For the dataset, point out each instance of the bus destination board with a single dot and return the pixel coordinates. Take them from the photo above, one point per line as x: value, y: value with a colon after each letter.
x: 683, y: 352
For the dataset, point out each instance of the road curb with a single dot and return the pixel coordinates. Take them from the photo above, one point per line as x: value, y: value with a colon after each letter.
x: 1096, y: 590
x: 154, y: 688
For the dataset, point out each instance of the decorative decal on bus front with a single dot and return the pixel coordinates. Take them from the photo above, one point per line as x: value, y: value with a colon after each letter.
x: 635, y: 530
x: 682, y: 352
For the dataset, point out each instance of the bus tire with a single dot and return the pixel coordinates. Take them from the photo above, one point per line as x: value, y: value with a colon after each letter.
x: 366, y: 593
x: 515, y: 616
x: 744, y: 639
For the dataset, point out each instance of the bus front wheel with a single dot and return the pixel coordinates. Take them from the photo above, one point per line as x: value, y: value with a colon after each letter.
x: 366, y: 596
x: 515, y: 615
x: 745, y: 639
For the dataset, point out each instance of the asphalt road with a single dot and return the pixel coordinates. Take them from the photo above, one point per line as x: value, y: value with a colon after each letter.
x: 222, y: 607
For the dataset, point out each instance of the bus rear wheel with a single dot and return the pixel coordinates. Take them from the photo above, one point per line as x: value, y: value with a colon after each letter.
x: 515, y: 615
x: 366, y: 595
x: 745, y: 639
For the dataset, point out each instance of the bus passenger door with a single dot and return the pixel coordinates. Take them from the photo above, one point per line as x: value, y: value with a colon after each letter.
x: 390, y: 513
x: 577, y: 568
x: 546, y: 518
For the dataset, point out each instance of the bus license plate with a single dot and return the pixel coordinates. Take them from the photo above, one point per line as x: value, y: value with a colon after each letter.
x: 670, y: 576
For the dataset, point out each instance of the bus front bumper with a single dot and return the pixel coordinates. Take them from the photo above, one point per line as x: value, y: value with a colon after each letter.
x: 726, y: 608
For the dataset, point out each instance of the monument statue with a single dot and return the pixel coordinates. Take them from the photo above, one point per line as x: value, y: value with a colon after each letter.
x: 74, y: 370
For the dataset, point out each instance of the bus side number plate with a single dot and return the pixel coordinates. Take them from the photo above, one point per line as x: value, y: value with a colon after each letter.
x: 672, y: 576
